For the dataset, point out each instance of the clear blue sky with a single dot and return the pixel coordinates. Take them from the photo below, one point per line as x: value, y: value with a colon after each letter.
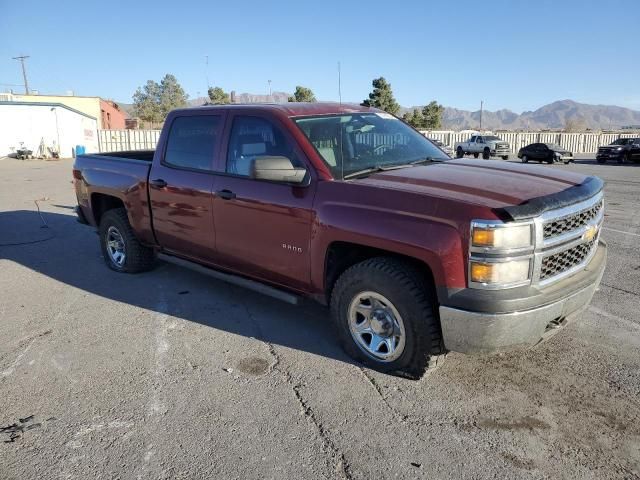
x: 515, y: 54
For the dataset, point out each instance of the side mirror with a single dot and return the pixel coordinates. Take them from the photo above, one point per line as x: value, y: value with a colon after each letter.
x: 276, y: 169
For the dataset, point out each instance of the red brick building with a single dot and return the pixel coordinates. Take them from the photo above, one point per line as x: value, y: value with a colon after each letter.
x: 111, y: 115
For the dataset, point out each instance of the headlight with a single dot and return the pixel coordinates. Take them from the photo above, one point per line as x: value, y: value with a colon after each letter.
x: 500, y: 236
x: 500, y: 273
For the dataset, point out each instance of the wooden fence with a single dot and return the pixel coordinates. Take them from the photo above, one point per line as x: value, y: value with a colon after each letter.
x: 114, y: 140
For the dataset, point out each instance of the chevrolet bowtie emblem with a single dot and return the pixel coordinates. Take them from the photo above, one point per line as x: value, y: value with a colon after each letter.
x: 590, y: 233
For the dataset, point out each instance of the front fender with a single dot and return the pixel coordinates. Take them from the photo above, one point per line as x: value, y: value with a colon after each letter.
x: 435, y: 242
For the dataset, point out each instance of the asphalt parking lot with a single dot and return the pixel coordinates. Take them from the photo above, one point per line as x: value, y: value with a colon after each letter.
x: 171, y: 374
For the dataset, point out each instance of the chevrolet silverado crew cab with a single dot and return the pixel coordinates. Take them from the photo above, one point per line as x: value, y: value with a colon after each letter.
x: 415, y: 253
x: 487, y: 145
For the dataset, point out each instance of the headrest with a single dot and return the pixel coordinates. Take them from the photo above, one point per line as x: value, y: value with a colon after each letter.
x: 253, y: 148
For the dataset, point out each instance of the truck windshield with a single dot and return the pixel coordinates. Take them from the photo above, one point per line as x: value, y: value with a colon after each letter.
x: 360, y: 141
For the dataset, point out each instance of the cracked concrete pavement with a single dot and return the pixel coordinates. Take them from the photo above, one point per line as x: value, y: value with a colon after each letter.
x: 170, y: 374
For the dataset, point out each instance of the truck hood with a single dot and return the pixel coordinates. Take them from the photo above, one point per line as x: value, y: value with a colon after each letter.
x: 488, y: 183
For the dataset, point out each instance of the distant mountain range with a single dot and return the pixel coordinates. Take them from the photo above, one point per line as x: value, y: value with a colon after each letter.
x: 555, y: 116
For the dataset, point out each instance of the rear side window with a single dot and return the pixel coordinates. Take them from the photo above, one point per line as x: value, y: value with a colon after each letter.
x: 253, y: 137
x: 193, y: 141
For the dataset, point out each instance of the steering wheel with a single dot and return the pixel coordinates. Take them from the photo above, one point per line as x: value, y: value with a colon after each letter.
x: 384, y: 145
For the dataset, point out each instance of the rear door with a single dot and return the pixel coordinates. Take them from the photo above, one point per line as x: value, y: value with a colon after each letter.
x: 263, y: 229
x: 181, y: 182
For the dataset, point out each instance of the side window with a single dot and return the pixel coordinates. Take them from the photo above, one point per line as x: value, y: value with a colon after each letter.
x: 480, y: 140
x: 193, y: 141
x: 253, y: 137
x: 473, y: 139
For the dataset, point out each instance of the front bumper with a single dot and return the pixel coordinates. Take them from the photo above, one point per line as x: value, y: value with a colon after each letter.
x: 500, y: 153
x: 607, y: 155
x: 487, y: 329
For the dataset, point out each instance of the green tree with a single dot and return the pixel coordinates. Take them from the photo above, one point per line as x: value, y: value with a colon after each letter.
x: 172, y: 95
x: 382, y: 97
x: 154, y: 101
x: 217, y: 96
x: 415, y: 118
x: 302, y: 94
x: 432, y: 116
x: 146, y: 102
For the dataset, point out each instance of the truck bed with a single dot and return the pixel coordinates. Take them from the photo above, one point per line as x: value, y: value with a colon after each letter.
x: 115, y: 175
x: 144, y: 155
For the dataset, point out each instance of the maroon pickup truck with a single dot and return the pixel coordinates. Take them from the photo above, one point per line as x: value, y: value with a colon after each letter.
x: 415, y: 253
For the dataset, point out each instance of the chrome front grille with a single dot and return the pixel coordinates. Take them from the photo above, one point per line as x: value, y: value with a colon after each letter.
x: 565, y: 260
x: 571, y: 222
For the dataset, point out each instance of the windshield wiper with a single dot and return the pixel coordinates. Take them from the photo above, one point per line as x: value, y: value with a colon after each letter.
x: 370, y: 170
x: 427, y: 160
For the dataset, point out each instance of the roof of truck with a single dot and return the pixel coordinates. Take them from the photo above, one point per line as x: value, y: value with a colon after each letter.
x: 300, y: 109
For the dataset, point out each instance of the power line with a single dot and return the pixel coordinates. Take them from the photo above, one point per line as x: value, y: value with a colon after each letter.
x: 22, y: 58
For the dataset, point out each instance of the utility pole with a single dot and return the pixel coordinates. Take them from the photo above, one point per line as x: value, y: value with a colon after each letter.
x: 22, y: 58
x: 206, y: 70
x: 481, y: 104
x: 269, y: 89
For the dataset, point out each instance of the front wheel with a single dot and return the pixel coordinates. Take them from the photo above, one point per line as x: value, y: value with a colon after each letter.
x: 486, y: 154
x: 459, y: 153
x: 524, y: 159
x: 121, y: 249
x: 384, y: 317
x: 600, y: 160
x: 505, y: 157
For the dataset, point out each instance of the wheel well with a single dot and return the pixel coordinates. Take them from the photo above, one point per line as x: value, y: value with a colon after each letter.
x: 101, y: 203
x: 342, y: 255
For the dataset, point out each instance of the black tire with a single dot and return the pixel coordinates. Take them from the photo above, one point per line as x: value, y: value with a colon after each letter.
x: 459, y: 153
x: 505, y: 157
x: 476, y: 155
x: 408, y: 292
x: 138, y: 258
x: 486, y: 153
x: 600, y: 160
x: 626, y: 158
x: 524, y: 159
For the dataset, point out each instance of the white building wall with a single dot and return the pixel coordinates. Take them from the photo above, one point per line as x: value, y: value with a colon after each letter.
x: 32, y: 123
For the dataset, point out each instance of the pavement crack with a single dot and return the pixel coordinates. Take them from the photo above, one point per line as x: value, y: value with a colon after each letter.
x: 620, y: 289
x: 372, y: 381
x: 341, y: 466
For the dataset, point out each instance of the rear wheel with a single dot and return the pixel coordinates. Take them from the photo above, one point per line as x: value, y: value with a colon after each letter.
x: 626, y: 158
x: 486, y: 153
x: 385, y: 317
x: 459, y: 152
x: 121, y: 249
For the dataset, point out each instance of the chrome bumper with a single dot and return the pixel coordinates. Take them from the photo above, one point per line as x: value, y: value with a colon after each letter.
x: 480, y: 332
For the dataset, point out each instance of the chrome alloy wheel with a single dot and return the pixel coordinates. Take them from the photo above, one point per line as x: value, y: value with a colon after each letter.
x: 115, y: 246
x: 376, y: 326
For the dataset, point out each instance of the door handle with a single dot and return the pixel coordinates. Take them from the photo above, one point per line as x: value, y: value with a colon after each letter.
x: 158, y: 183
x: 226, y: 194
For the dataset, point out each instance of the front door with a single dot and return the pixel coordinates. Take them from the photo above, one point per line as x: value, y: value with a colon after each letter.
x: 263, y: 229
x: 181, y: 183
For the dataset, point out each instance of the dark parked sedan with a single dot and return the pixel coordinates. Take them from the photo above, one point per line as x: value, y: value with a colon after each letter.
x: 545, y: 152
